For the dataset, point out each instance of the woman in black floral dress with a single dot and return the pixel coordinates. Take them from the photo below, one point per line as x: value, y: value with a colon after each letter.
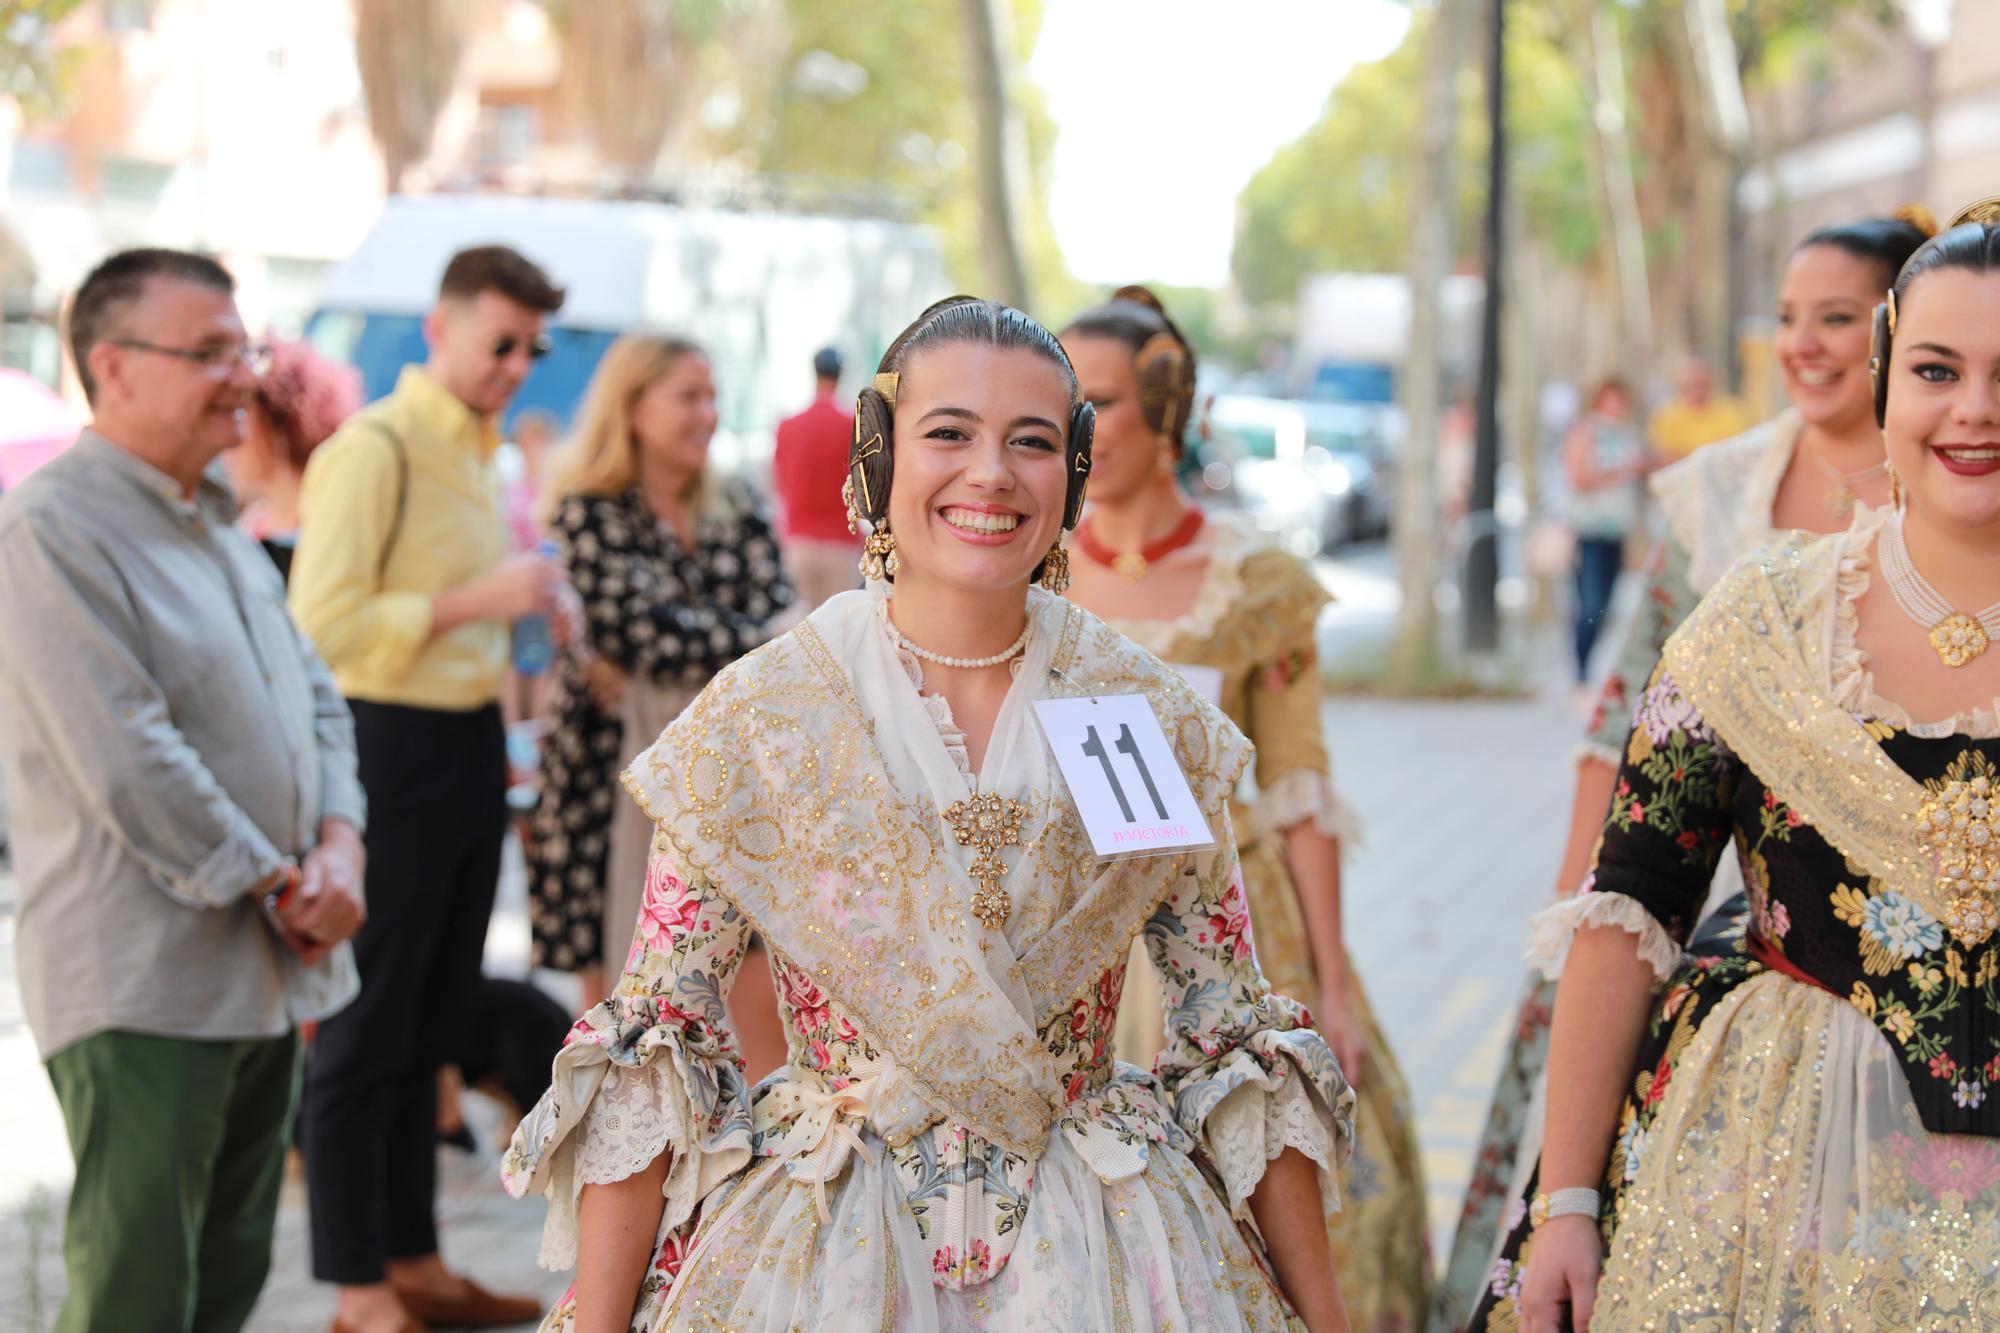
x: 679, y: 575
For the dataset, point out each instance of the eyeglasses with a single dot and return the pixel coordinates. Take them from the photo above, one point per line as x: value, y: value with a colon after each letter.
x: 216, y: 359
x: 538, y: 346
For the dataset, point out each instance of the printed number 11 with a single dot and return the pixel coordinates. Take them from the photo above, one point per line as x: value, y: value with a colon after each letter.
x: 1094, y: 748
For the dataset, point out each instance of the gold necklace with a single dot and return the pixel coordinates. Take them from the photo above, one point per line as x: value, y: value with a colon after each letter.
x: 1840, y: 497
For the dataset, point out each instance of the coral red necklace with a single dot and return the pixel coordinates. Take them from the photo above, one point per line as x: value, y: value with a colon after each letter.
x: 1132, y: 565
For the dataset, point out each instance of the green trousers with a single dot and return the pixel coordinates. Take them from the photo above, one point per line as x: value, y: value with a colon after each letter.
x: 180, y: 1151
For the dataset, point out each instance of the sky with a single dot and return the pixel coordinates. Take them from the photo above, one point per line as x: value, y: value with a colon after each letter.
x: 1164, y: 109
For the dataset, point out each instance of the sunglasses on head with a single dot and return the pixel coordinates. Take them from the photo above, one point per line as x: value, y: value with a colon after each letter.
x: 538, y: 346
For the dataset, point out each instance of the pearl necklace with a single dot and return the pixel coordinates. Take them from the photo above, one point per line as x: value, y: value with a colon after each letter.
x: 1956, y: 637
x: 910, y: 645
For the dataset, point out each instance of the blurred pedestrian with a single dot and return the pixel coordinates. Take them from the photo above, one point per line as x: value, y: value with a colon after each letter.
x: 1696, y: 415
x: 679, y: 575
x: 807, y: 470
x: 403, y: 577
x: 300, y: 401
x: 536, y: 431
x: 187, y: 812
x: 1604, y: 460
x: 1216, y: 597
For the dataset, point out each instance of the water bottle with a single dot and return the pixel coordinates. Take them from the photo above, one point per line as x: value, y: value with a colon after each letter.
x: 534, y: 646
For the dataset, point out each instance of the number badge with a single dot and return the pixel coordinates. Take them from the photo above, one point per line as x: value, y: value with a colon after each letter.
x: 1122, y: 775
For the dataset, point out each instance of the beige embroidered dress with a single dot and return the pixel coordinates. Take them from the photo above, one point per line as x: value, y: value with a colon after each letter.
x: 1252, y: 620
x: 951, y: 1145
x: 1818, y: 1146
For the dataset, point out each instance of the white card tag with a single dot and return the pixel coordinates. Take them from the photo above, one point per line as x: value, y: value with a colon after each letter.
x: 1122, y: 775
x: 1205, y: 680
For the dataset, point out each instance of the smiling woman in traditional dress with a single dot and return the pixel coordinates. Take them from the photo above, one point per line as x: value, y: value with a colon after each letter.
x: 1824, y: 1149
x: 1808, y: 468
x: 1210, y: 593
x: 950, y: 1145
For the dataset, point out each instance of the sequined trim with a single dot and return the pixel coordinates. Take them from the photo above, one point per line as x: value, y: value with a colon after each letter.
x: 1753, y: 661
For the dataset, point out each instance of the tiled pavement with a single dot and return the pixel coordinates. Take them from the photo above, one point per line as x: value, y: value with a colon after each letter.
x: 1462, y: 803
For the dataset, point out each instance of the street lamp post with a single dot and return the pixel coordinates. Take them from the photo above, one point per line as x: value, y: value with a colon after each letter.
x: 1482, y: 556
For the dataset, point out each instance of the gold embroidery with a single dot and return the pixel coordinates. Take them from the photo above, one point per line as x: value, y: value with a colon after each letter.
x: 1960, y: 826
x: 988, y: 822
x: 1752, y: 659
x: 804, y: 832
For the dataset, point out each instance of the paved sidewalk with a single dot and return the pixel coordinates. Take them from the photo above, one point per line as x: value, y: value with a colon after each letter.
x: 1463, y: 805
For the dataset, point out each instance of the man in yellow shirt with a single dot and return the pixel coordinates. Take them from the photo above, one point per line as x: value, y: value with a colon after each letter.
x: 1696, y: 414
x: 403, y: 580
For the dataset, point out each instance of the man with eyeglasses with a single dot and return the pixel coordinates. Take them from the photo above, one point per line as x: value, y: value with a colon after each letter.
x: 186, y: 815
x: 403, y: 578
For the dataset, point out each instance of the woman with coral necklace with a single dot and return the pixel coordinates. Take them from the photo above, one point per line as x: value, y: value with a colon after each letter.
x: 1212, y: 596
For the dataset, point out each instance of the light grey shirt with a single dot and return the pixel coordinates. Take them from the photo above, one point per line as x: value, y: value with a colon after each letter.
x: 167, y: 738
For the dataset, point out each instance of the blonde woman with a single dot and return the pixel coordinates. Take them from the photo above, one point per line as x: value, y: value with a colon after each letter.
x: 679, y: 575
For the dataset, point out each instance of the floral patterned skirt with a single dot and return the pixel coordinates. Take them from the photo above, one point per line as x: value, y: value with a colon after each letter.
x: 1155, y: 1251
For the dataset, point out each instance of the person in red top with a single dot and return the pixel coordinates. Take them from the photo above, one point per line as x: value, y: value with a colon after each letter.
x: 821, y: 555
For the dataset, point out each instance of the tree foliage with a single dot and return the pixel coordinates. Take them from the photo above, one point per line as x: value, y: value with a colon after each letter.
x: 1338, y: 197
x: 907, y: 135
x: 33, y: 70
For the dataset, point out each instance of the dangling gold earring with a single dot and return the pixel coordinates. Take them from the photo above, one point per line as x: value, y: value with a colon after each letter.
x: 1895, y: 488
x: 878, y: 554
x: 1055, y: 569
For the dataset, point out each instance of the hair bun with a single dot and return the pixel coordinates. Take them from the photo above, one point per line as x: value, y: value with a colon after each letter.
x: 1986, y: 211
x: 1919, y: 217
x: 1139, y: 295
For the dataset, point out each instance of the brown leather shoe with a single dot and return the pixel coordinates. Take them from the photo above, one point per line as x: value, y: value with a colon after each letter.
x: 470, y: 1307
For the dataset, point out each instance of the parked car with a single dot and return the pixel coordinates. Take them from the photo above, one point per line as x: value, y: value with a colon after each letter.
x: 1305, y: 471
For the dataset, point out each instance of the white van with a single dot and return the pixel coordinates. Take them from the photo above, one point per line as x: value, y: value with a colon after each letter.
x: 759, y: 291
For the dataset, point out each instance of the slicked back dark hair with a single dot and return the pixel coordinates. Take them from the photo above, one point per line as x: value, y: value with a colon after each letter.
x: 1974, y: 246
x: 1887, y: 241
x: 117, y: 284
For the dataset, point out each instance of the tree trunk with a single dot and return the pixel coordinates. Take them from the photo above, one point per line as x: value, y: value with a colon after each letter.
x: 999, y: 135
x: 1724, y: 136
x: 1620, y: 191
x: 1414, y: 654
x: 408, y: 53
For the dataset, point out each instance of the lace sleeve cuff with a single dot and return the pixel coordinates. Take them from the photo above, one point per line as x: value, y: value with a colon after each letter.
x: 1306, y: 794
x: 628, y: 1086
x: 1277, y: 1090
x: 1552, y: 929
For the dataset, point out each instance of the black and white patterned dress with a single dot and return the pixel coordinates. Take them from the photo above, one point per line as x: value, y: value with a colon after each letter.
x: 665, y: 614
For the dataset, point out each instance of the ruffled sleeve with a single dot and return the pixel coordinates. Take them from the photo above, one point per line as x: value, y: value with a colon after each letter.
x: 653, y: 1069
x: 1668, y: 824
x: 1294, y: 772
x: 1245, y: 1073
